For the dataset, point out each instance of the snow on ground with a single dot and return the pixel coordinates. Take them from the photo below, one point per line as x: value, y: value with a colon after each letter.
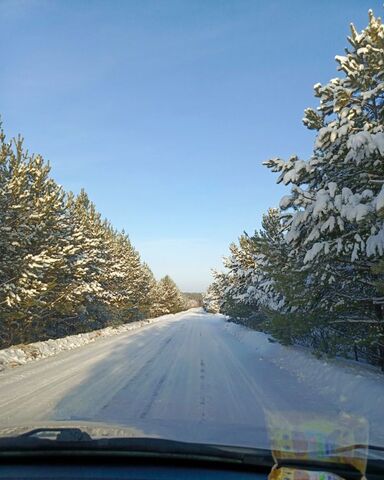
x: 23, y: 353
x: 194, y: 377
x: 357, y: 387
x: 183, y: 378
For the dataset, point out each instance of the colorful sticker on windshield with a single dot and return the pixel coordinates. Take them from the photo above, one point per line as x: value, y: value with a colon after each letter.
x: 306, y: 437
x: 294, y: 474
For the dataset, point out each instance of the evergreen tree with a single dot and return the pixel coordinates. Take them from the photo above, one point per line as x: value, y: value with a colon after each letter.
x: 316, y: 270
x: 64, y: 269
x: 247, y: 288
x: 36, y: 251
x: 212, y: 299
x: 169, y: 298
x: 333, y: 214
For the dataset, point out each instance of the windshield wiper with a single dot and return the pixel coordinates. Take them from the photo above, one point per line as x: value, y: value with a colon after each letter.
x: 63, y: 434
x: 74, y: 440
x: 73, y: 435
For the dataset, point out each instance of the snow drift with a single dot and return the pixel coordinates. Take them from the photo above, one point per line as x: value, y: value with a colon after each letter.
x: 23, y: 353
x: 354, y: 387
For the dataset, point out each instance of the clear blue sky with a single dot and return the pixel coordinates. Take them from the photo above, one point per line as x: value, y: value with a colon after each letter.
x: 164, y: 110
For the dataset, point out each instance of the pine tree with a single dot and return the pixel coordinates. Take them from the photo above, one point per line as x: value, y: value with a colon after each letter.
x: 63, y: 269
x: 249, y: 289
x: 35, y: 246
x: 90, y: 271
x: 212, y: 299
x: 169, y: 297
x: 133, y: 280
x: 332, y: 215
x: 149, y: 301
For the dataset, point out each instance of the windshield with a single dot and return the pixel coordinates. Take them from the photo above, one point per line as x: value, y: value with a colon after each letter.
x: 192, y: 223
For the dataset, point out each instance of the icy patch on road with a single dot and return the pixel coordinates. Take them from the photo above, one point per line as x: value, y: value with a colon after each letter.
x: 352, y: 386
x: 24, y: 353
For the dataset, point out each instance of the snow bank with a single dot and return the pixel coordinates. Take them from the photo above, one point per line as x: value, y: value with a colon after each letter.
x: 352, y: 386
x: 21, y: 354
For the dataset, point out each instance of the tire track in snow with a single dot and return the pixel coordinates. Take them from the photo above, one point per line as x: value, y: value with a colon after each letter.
x: 43, y: 390
x: 202, y: 388
x: 180, y: 379
x: 155, y: 394
x: 123, y: 400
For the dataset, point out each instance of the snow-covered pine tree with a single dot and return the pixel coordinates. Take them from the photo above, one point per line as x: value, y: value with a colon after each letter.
x: 143, y: 288
x: 35, y: 245
x: 133, y: 280
x: 63, y: 269
x: 218, y: 296
x: 211, y: 299
x: 149, y: 298
x: 91, y: 271
x: 169, y: 297
x: 333, y: 214
x: 247, y: 288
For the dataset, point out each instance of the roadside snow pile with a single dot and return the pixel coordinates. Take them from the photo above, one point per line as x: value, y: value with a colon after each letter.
x: 21, y: 354
x: 352, y: 386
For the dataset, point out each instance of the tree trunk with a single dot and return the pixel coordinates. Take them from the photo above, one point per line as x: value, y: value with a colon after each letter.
x: 379, y: 314
x: 356, y: 353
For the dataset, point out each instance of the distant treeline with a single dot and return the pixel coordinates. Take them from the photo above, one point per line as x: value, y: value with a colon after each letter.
x: 195, y: 299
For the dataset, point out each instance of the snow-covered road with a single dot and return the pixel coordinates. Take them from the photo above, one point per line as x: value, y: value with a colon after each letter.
x: 185, y: 377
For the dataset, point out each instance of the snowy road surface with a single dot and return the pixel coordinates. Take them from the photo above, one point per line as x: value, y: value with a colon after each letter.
x: 185, y: 377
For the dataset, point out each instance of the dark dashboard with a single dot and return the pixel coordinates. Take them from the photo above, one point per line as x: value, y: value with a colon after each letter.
x: 109, y: 472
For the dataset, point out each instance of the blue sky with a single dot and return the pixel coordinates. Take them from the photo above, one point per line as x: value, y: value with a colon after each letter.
x: 164, y: 110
